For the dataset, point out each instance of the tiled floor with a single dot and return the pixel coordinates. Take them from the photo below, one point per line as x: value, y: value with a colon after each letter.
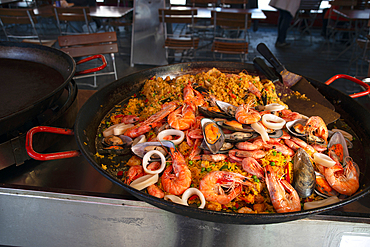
x: 307, y: 55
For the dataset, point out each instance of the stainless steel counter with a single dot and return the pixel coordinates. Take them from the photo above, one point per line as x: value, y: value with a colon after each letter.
x: 68, y: 203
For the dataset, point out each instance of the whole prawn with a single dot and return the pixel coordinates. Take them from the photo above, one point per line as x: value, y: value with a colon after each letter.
x: 246, y: 115
x: 283, y: 196
x: 344, y: 180
x: 213, y: 183
x: 252, y: 166
x: 316, y: 126
x: 183, y: 117
x: 152, y: 121
x: 177, y: 177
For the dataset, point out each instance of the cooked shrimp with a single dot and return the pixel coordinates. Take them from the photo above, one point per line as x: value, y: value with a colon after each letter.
x: 247, y: 146
x: 283, y: 196
x: 192, y: 96
x: 196, y: 150
x: 257, y: 154
x: 152, y: 121
x: 252, y: 166
x: 211, y: 157
x: 294, y: 146
x: 155, y: 191
x: 246, y: 115
x: 179, y: 180
x: 303, y: 145
x: 316, y: 126
x: 182, y: 118
x: 285, y: 150
x: 344, y: 180
x: 133, y: 173
x: 213, y: 183
x: 288, y: 115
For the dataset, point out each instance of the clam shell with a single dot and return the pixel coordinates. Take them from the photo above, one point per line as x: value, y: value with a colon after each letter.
x: 112, y: 140
x: 304, y: 178
x: 213, y: 147
x: 139, y: 149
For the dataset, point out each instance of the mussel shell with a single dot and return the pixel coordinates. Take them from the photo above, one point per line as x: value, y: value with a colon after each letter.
x: 226, y: 147
x: 139, y: 149
x: 112, y: 140
x: 246, y: 127
x: 213, y: 114
x: 240, y: 136
x: 348, y: 142
x: 290, y: 126
x: 229, y: 109
x: 338, y: 138
x: 108, y: 150
x: 215, y: 147
x: 275, y: 134
x: 304, y: 178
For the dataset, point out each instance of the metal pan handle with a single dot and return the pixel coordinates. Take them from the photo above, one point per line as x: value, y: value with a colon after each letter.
x: 267, y: 71
x: 361, y: 83
x: 51, y: 156
x: 92, y: 70
x: 267, y: 54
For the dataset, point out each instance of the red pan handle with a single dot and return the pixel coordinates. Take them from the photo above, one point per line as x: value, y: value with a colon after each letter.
x: 92, y: 70
x: 51, y: 156
x: 361, y: 83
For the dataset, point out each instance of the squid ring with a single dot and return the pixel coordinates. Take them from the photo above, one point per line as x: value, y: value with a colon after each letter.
x: 194, y: 191
x: 168, y: 132
x: 323, y: 160
x: 274, y: 107
x: 144, y: 181
x: 146, y: 159
x: 175, y: 199
x: 273, y: 122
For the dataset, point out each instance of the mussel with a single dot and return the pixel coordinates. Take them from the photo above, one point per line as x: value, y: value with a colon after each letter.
x: 304, y: 178
x: 235, y: 126
x: 212, y: 135
x: 323, y: 188
x: 227, y: 108
x: 141, y: 149
x: 240, y: 136
x: 295, y: 127
x: 224, y: 149
x: 112, y: 140
x: 212, y: 112
x: 338, y: 138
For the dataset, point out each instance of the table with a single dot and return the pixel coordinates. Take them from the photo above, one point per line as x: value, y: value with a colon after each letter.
x: 95, y: 11
x: 3, y: 2
x: 360, y: 17
x: 205, y: 13
x: 109, y: 11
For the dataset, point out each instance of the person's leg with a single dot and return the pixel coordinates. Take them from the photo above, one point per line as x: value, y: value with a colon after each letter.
x: 285, y: 18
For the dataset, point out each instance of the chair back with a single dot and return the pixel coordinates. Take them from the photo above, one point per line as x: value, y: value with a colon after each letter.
x: 89, y: 44
x: 231, y: 20
x: 72, y: 14
x: 17, y: 16
x: 177, y: 15
x: 308, y: 5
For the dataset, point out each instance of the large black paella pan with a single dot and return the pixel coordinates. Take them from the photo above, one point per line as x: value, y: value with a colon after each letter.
x: 96, y: 108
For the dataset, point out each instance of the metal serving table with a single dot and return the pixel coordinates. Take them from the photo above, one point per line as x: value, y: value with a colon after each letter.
x: 68, y: 203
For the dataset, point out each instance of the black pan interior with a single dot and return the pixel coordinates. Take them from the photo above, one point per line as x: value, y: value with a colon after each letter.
x: 33, y: 78
x: 104, y: 100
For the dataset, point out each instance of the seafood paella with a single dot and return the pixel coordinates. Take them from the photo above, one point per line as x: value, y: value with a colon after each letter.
x: 225, y: 142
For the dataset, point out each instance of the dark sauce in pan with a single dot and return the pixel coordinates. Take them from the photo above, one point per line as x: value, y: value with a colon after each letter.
x: 23, y: 83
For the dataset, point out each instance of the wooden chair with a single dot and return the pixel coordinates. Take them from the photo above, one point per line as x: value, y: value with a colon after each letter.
x: 83, y: 45
x: 236, y: 43
x: 306, y: 16
x: 69, y: 17
x: 19, y: 17
x: 178, y: 32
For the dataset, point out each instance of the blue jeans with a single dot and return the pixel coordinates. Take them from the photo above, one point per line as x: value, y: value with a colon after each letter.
x: 285, y: 18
